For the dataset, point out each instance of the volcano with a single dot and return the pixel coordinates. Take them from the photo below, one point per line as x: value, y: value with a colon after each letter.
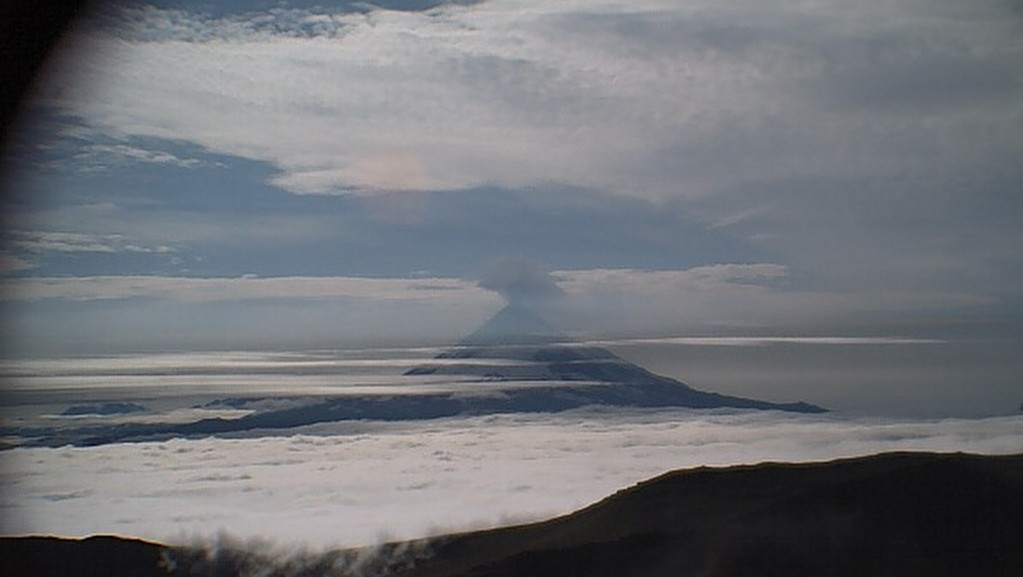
x: 515, y: 363
x: 513, y: 325
x: 517, y: 346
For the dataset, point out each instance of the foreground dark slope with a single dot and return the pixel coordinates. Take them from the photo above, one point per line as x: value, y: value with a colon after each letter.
x: 892, y: 514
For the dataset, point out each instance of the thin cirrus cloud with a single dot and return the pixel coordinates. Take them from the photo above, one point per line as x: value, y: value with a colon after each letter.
x: 238, y: 289
x: 35, y: 241
x: 101, y: 156
x: 739, y: 282
x: 590, y: 302
x: 723, y: 295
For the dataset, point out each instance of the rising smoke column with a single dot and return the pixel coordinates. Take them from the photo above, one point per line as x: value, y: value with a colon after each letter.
x: 521, y: 282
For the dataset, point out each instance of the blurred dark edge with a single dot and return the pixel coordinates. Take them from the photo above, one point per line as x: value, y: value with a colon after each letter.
x: 29, y: 31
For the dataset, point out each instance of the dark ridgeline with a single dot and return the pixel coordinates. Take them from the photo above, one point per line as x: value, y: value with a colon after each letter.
x: 896, y: 514
x: 106, y: 555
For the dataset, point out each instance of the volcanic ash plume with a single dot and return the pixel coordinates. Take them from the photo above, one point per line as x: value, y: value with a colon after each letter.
x: 521, y: 282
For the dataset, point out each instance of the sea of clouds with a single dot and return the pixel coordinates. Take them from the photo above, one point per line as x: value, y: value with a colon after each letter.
x: 359, y: 483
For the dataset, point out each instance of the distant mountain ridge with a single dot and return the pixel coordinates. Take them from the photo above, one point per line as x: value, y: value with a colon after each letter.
x: 513, y: 325
x: 514, y: 363
x: 544, y: 354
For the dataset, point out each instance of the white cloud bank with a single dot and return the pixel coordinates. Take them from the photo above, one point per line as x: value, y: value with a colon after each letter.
x: 654, y: 98
x: 409, y: 480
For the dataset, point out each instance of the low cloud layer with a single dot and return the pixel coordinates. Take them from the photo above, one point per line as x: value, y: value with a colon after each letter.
x: 409, y: 480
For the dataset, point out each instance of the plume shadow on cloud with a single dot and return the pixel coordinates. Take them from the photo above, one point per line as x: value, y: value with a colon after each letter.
x: 520, y: 281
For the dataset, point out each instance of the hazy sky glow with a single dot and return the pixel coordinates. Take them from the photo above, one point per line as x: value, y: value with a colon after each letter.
x: 233, y: 175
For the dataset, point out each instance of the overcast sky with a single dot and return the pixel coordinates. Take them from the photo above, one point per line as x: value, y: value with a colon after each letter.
x: 236, y: 174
